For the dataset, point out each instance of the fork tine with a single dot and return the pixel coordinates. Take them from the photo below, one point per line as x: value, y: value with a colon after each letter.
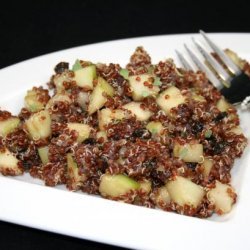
x: 216, y: 66
x: 212, y: 78
x: 233, y: 68
x: 184, y: 62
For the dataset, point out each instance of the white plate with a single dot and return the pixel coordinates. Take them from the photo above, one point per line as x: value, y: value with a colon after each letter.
x: 27, y: 202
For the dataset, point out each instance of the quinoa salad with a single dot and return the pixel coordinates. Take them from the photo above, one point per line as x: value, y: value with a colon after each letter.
x: 152, y: 135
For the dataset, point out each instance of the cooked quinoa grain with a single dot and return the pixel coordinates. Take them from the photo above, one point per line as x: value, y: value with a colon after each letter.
x: 150, y: 135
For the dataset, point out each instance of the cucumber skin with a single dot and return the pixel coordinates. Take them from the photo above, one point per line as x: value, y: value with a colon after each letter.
x: 117, y: 185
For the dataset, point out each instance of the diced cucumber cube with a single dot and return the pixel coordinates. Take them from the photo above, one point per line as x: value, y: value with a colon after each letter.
x: 83, y: 130
x: 198, y: 98
x: 61, y: 79
x: 237, y: 130
x: 170, y: 98
x: 103, y: 135
x: 185, y: 192
x: 9, y: 163
x: 97, y: 97
x: 136, y: 109
x: 75, y: 180
x: 39, y: 125
x: 32, y: 102
x: 116, y: 185
x: 145, y: 186
x: 8, y: 126
x: 189, y: 152
x: 162, y: 196
x: 223, y: 105
x: 142, y: 86
x: 222, y: 197
x: 155, y: 127
x: 63, y: 97
x: 207, y: 166
x: 44, y: 154
x: 105, y: 116
x: 84, y: 77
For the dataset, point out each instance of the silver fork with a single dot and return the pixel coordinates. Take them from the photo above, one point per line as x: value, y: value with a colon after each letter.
x: 235, y: 86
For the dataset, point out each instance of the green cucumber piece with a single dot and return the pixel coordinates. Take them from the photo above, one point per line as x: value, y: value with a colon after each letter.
x: 136, y: 109
x: 8, y: 126
x: 9, y: 163
x: 84, y: 77
x: 75, y: 180
x: 31, y: 101
x: 170, y: 98
x: 116, y: 185
x: 154, y: 127
x: 83, y: 130
x: 139, y: 89
x: 97, y: 98
x: 77, y: 65
x: 39, y: 125
x: 44, y: 154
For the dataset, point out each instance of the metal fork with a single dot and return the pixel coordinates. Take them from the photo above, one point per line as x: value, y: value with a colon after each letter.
x: 235, y: 86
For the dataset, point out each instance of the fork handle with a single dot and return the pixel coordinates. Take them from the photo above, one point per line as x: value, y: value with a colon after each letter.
x: 239, y: 89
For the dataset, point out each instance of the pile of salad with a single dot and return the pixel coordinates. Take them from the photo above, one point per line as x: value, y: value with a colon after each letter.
x: 148, y: 134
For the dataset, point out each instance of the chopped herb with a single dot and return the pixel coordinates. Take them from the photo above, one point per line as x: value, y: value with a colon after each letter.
x: 77, y: 65
x: 145, y: 93
x: 157, y: 81
x: 124, y: 73
x: 208, y: 133
x: 183, y: 153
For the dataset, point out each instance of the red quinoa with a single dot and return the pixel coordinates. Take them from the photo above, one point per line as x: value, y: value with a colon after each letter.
x: 128, y: 147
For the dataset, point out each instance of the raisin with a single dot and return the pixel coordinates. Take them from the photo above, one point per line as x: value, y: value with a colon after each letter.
x: 191, y: 165
x: 102, y: 164
x: 120, y: 80
x: 156, y: 178
x: 90, y: 141
x: 197, y: 127
x: 61, y: 67
x: 211, y: 138
x: 116, y: 137
x: 184, y: 113
x: 220, y: 116
x: 219, y: 147
x: 27, y: 165
x: 149, y: 163
x: 142, y: 133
